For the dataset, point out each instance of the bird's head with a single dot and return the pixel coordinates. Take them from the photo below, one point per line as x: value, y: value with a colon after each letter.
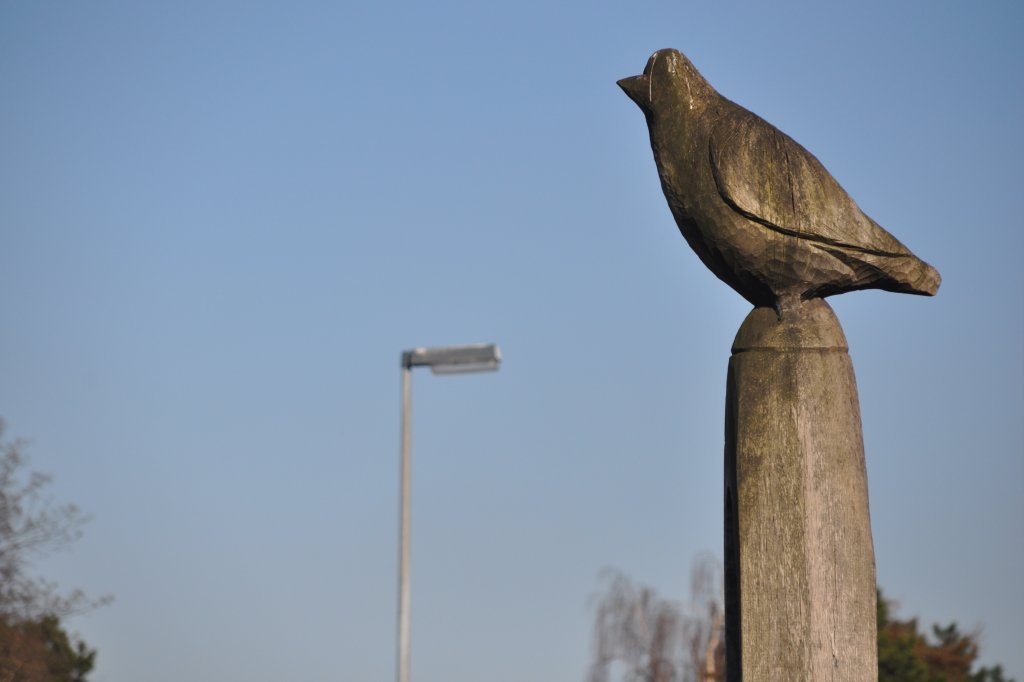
x: 669, y: 81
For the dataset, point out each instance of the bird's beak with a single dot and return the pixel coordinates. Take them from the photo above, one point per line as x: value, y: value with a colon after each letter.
x: 637, y: 88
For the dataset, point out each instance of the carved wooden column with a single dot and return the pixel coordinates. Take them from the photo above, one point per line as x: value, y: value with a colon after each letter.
x: 800, y: 567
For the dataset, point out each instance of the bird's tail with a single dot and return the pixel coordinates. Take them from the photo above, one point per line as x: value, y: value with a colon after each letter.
x: 926, y: 279
x: 908, y: 275
x: 901, y: 273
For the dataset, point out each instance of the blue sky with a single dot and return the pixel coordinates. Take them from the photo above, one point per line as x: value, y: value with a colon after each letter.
x: 222, y: 222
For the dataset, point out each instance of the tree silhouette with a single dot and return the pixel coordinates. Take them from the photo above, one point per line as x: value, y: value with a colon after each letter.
x: 656, y: 640
x: 33, y: 645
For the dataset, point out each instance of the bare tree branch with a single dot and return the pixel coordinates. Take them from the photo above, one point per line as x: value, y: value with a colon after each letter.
x: 31, y: 527
x: 656, y: 640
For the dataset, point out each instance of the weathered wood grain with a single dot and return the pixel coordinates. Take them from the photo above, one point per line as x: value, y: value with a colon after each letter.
x: 800, y: 569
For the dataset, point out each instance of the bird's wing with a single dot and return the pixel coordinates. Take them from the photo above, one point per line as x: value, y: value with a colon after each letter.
x: 765, y: 175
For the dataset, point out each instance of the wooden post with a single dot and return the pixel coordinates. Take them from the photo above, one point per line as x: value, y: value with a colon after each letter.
x: 800, y: 568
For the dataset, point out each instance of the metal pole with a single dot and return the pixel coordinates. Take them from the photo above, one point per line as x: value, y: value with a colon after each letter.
x: 403, y: 551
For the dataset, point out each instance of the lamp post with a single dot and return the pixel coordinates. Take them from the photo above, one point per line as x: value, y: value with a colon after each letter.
x: 446, y: 360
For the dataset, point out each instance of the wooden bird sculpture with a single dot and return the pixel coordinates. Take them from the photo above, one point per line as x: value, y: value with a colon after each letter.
x: 760, y: 210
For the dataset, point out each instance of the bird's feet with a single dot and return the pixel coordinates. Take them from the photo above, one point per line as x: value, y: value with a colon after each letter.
x: 786, y: 303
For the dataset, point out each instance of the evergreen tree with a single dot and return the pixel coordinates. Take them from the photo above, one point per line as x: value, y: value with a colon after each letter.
x: 907, y: 655
x: 41, y: 651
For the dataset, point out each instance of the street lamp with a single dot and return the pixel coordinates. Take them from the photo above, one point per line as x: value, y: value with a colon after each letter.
x: 480, y: 357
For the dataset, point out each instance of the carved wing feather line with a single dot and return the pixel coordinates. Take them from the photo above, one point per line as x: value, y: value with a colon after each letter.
x: 764, y: 175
